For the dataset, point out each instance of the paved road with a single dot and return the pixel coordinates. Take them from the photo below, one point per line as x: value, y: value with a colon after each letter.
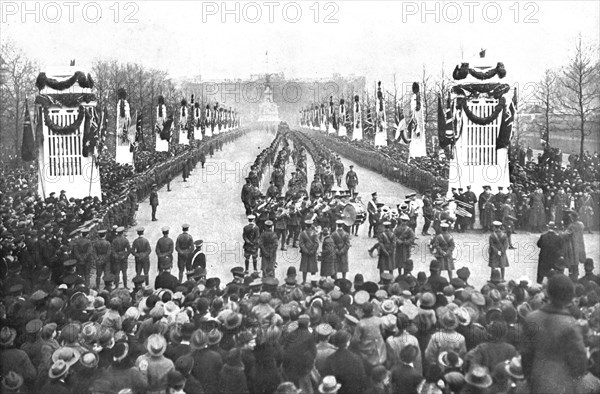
x: 210, y: 203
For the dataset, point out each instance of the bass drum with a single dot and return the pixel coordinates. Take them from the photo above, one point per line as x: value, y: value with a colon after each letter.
x: 354, y: 213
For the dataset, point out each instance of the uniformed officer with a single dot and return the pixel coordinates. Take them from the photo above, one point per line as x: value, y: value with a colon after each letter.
x: 102, y: 249
x: 164, y: 250
x: 372, y: 211
x: 140, y: 248
x: 154, y: 201
x: 198, y: 258
x: 184, y: 245
x: 83, y: 251
x: 351, y: 180
x: 268, y: 243
x: 251, y: 235
x: 120, y: 250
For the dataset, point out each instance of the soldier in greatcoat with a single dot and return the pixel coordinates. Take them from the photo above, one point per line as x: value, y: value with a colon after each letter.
x: 405, y: 238
x: 497, y: 251
x: 120, y: 249
x: 164, y: 250
x: 309, y: 246
x: 184, y: 246
x: 342, y: 244
x: 102, y: 249
x: 268, y: 243
x: 140, y: 248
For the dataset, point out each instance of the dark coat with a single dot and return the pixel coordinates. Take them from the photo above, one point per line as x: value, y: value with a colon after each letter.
x: 551, y: 248
x: 299, y: 355
x: 555, y: 357
x: 349, y: 371
x: 405, y: 379
x: 309, y: 245
x: 232, y: 379
x: 165, y: 280
x: 207, y: 367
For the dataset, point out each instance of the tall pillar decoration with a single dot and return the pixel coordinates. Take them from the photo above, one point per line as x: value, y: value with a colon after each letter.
x: 162, y: 127
x: 483, y: 108
x: 416, y: 125
x: 380, y: 119
x: 357, y: 127
x: 68, y: 133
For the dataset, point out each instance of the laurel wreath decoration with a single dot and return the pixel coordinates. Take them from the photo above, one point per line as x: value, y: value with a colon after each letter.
x: 63, y: 130
x: 84, y: 81
x: 461, y: 103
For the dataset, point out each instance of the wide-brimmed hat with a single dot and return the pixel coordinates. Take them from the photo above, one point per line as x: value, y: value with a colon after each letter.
x: 156, y: 345
x: 361, y: 297
x: 67, y: 354
x: 12, y: 381
x: 329, y: 385
x: 463, y: 316
x: 199, y: 340
x: 389, y: 307
x: 514, y: 368
x: 89, y: 360
x: 449, y: 321
x: 58, y: 369
x: 450, y: 359
x: 7, y: 335
x: 214, y: 336
x: 231, y: 320
x: 479, y: 377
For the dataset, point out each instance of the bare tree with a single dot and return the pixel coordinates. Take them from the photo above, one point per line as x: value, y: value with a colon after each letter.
x: 580, y: 95
x: 546, y: 94
x: 18, y: 84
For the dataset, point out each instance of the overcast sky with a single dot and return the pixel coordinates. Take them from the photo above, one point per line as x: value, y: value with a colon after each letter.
x: 371, y: 38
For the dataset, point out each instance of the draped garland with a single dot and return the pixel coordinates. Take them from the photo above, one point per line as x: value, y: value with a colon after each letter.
x: 84, y: 81
x: 463, y: 71
x: 70, y: 129
x: 461, y: 104
x: 66, y: 100
x: 494, y: 90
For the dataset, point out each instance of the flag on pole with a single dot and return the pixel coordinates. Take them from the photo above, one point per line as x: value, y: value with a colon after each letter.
x: 28, y: 143
x: 445, y: 131
x: 508, y: 117
x: 90, y: 136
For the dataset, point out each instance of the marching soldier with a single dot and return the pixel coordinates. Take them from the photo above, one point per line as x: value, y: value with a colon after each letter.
x: 268, y: 250
x: 372, y: 211
x: 309, y: 246
x: 508, y: 219
x: 443, y: 246
x: 251, y: 235
x: 341, y: 240
x: 405, y: 238
x: 120, y: 249
x: 154, y: 201
x: 102, y: 249
x: 413, y: 211
x: 83, y: 251
x: 140, y: 248
x: 316, y: 188
x: 328, y: 180
x: 498, y: 246
x: 351, y: 180
x: 247, y: 190
x: 273, y: 191
x: 386, y: 247
x: 164, y: 250
x: 470, y: 198
x: 338, y: 168
x: 281, y: 223
x: 427, y: 211
x: 184, y: 247
x: 293, y: 227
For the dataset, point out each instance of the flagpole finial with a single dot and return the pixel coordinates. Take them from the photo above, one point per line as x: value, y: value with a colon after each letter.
x: 482, y: 53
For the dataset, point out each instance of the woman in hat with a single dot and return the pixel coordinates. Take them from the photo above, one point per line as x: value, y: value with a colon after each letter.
x: 268, y: 353
x: 477, y: 380
x: 445, y: 339
x: 554, y: 359
x: 498, y: 245
x: 13, y: 359
x: 57, y: 383
x: 12, y: 383
x: 368, y: 339
x: 154, y: 364
x: 232, y: 378
x: 123, y: 373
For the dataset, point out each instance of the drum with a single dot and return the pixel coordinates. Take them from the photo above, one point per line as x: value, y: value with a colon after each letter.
x: 354, y: 213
